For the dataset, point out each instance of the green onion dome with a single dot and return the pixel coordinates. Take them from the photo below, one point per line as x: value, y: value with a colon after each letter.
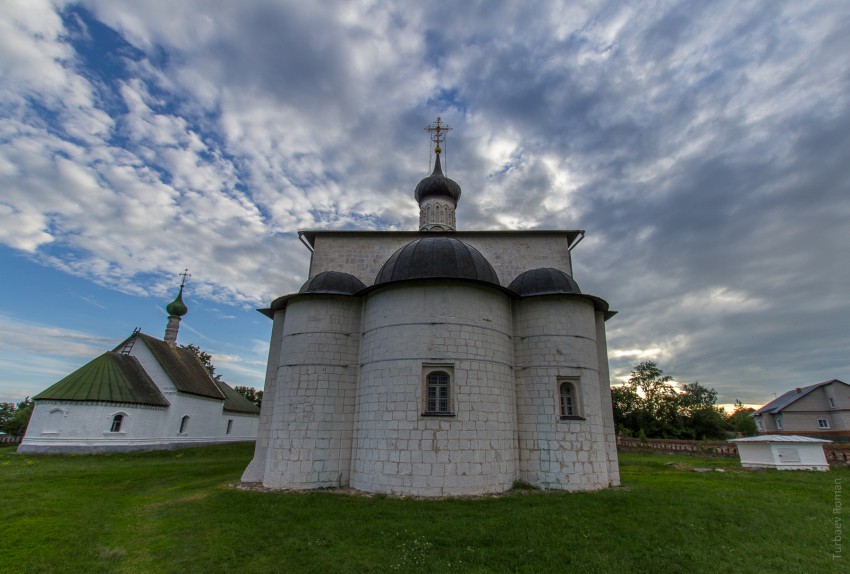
x: 177, y: 308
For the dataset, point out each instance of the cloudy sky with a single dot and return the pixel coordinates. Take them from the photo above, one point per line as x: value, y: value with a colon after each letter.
x: 703, y: 146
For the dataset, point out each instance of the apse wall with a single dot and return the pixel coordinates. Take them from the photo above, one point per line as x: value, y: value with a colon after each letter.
x: 555, y: 341
x: 409, y: 330
x: 257, y: 467
x: 313, y: 412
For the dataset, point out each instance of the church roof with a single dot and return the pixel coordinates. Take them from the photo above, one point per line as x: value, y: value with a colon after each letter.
x: 437, y: 257
x: 182, y: 367
x: 111, y: 377
x: 234, y: 402
x: 543, y: 281
x: 334, y: 282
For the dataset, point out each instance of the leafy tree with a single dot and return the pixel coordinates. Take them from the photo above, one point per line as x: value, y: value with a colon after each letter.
x: 251, y: 394
x: 205, y: 359
x: 702, y: 418
x: 648, y: 404
x: 741, y: 420
x: 6, y: 412
x: 17, y: 423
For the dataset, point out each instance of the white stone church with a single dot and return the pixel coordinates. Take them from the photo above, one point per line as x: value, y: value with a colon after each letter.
x: 145, y: 394
x: 437, y: 362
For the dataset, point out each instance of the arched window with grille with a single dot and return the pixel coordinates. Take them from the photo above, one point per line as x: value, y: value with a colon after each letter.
x: 437, y: 390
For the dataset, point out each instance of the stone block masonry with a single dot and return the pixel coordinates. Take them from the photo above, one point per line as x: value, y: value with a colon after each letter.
x: 362, y: 253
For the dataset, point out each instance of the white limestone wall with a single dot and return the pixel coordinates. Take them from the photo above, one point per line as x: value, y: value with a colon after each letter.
x: 509, y: 252
x: 244, y: 427
x: 608, y: 441
x: 257, y: 467
x: 466, y: 328
x: 313, y: 404
x: 205, y: 418
x: 65, y: 426
x: 556, y: 337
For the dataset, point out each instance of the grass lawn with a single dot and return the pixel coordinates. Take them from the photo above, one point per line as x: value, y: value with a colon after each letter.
x: 177, y: 511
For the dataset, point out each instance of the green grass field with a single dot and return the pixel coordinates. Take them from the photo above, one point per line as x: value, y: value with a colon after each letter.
x: 177, y: 511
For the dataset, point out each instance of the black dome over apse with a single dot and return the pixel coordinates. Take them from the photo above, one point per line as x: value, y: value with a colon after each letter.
x: 437, y: 257
x: 334, y: 282
x: 543, y: 281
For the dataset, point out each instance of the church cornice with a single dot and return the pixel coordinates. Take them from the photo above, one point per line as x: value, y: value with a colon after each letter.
x: 308, y: 236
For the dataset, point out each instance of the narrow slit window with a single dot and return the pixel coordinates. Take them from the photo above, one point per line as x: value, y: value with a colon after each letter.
x: 568, y: 400
x: 184, y: 424
x: 229, y: 426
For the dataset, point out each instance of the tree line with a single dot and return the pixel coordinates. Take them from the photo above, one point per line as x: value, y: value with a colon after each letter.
x: 649, y: 405
x: 14, y: 417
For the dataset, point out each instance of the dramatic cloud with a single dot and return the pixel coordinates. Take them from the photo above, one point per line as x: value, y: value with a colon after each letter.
x: 701, y: 145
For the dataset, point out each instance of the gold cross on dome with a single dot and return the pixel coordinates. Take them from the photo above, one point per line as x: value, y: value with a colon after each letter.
x: 438, y: 130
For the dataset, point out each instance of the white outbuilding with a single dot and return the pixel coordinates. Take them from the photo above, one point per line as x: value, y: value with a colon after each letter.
x: 145, y: 394
x: 785, y: 452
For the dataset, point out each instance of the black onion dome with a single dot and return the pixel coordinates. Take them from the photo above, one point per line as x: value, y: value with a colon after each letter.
x: 437, y: 184
x: 543, y: 281
x: 437, y: 257
x: 334, y: 282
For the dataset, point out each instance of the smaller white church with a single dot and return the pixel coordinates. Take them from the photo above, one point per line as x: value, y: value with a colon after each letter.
x: 145, y: 394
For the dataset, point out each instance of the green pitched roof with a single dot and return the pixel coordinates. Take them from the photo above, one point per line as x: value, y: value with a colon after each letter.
x: 235, y: 402
x: 183, y: 368
x: 113, y: 378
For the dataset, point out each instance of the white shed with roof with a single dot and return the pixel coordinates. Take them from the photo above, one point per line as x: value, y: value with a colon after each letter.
x: 788, y: 452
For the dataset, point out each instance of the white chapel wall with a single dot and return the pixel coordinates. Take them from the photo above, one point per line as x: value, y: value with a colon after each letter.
x: 86, y: 427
